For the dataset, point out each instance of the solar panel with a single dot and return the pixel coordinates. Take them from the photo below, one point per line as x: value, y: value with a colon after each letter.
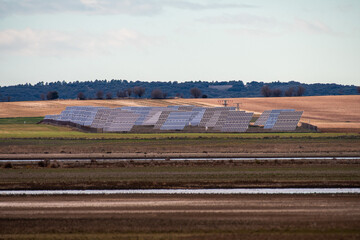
x: 51, y: 117
x: 100, y: 118
x: 221, y: 120
x: 197, y: 116
x: 177, y: 121
x: 162, y: 118
x: 213, y: 119
x: 273, y: 116
x: 263, y: 118
x: 186, y: 108
x: 287, y: 121
x: 237, y: 121
x: 152, y: 118
x: 173, y: 107
x: 120, y: 121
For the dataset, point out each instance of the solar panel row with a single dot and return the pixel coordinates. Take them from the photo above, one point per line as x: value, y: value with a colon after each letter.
x: 279, y: 119
x: 237, y: 121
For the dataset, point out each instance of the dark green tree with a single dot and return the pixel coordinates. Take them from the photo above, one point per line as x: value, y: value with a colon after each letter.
x: 52, y: 95
x: 195, y: 92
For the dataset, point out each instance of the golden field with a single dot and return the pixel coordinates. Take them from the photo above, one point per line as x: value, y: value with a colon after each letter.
x: 330, y: 113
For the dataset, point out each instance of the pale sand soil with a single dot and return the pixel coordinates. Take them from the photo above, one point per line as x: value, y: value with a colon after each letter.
x: 324, y: 111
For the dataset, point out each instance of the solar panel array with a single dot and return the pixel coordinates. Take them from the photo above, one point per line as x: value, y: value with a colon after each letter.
x: 279, y: 119
x: 224, y: 119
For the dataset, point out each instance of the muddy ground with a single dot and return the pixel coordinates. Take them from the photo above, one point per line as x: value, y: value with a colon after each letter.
x: 177, y: 147
x: 180, y: 217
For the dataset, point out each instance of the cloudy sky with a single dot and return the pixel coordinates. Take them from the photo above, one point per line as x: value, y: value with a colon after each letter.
x: 180, y: 40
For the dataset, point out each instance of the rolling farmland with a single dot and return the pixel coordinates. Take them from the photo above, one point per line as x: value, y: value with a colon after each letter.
x: 329, y: 113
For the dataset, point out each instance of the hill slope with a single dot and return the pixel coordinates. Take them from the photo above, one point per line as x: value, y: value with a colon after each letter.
x: 330, y: 113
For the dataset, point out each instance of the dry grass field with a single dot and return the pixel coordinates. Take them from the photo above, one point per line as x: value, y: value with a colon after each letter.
x: 329, y: 113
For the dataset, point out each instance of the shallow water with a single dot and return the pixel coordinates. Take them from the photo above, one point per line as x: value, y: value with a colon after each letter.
x: 189, y: 191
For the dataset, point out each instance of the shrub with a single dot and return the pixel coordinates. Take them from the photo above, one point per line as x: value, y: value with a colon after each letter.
x: 41, y: 164
x: 55, y: 164
x: 8, y: 165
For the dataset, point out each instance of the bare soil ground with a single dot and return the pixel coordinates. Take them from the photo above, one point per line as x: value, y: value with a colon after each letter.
x: 181, y: 217
x: 179, y: 147
x: 330, y: 113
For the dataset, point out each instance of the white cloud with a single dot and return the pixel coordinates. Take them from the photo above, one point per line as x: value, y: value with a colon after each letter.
x: 254, y: 32
x: 312, y: 27
x: 130, y: 7
x: 267, y: 26
x: 56, y: 43
x: 242, y: 18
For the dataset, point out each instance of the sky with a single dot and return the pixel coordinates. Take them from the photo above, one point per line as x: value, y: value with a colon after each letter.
x: 310, y: 41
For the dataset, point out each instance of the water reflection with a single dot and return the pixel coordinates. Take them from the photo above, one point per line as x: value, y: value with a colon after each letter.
x: 189, y: 191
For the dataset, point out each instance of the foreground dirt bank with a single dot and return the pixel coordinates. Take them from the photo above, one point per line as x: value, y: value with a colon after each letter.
x: 155, y: 156
x: 94, y: 174
x: 180, y: 217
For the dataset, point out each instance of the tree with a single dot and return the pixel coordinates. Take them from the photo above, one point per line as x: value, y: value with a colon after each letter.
x: 358, y: 89
x: 42, y: 96
x: 289, y: 92
x: 266, y: 91
x: 204, y: 96
x: 99, y: 94
x: 195, y: 92
x: 81, y: 96
x: 121, y: 94
x: 300, y: 90
x: 52, y: 95
x: 157, y: 94
x: 139, y: 91
x: 179, y: 95
x: 277, y: 92
x: 109, y: 95
x: 129, y: 92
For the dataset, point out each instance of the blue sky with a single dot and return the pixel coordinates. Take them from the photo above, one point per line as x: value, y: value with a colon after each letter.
x: 309, y: 41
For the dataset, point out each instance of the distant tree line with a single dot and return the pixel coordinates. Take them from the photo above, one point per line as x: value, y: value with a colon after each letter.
x: 138, y: 92
x: 103, y: 89
x: 266, y: 91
